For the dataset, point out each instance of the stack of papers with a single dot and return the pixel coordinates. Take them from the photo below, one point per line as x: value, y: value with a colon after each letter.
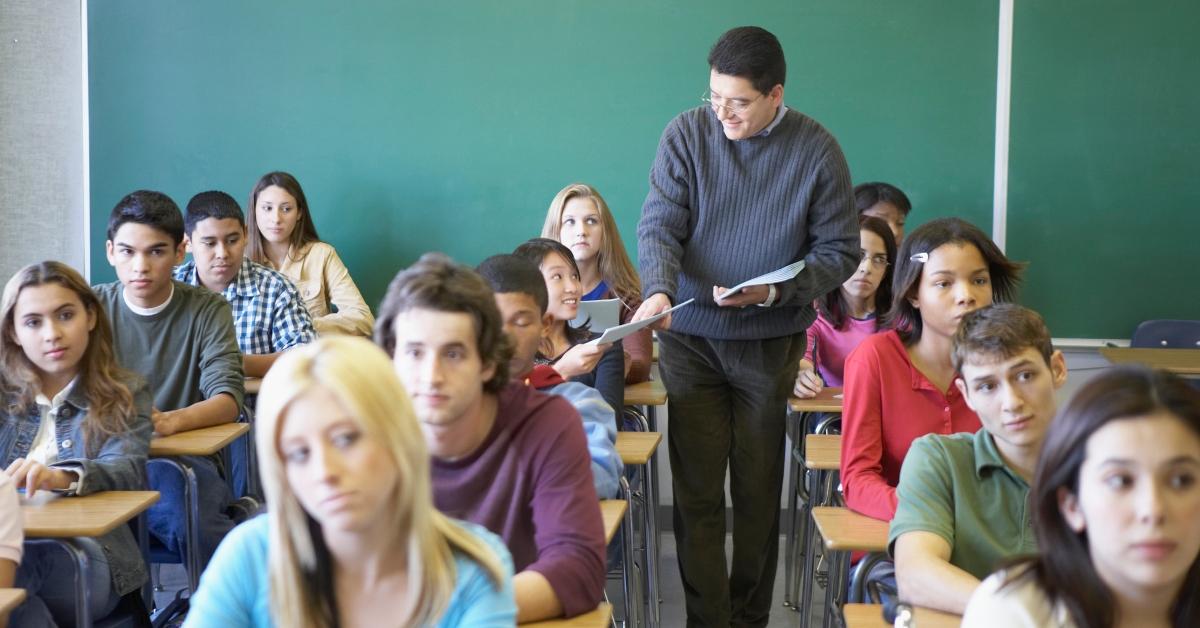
x: 613, y: 334
x: 783, y: 274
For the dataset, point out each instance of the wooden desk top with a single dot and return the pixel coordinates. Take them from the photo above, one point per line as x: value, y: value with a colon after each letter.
x: 823, y: 452
x: 599, y: 618
x: 871, y: 616
x: 1181, y: 361
x: 846, y: 530
x: 94, y: 515
x: 828, y: 400
x: 253, y: 385
x: 654, y: 351
x: 613, y: 512
x: 9, y: 599
x: 637, y: 447
x: 651, y: 393
x: 205, y: 441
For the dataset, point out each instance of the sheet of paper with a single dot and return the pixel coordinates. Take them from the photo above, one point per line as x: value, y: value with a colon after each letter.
x: 613, y: 334
x: 783, y: 274
x: 603, y: 313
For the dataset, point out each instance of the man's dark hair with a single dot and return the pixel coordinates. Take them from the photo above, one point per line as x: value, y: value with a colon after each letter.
x: 212, y: 204
x: 438, y: 283
x: 150, y: 208
x: 752, y: 53
x: 866, y: 195
x: 509, y: 274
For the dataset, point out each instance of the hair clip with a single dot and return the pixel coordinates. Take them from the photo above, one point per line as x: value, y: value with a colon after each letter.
x: 919, y: 257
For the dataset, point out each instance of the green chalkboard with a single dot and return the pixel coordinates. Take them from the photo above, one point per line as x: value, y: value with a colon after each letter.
x: 1105, y: 160
x: 419, y: 126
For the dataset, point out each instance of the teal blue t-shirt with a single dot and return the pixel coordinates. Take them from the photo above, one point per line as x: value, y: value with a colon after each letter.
x: 234, y: 590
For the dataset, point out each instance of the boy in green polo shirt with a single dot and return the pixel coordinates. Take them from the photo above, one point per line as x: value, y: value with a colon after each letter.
x: 964, y: 498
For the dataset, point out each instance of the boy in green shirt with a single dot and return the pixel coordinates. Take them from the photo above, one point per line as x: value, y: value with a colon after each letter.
x: 964, y: 498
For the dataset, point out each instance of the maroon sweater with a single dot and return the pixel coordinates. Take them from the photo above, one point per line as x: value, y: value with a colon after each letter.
x: 531, y: 483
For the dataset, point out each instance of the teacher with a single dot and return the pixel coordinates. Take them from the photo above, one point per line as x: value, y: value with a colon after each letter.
x: 740, y: 186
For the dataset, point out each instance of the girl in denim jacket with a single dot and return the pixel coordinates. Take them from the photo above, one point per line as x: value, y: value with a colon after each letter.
x: 73, y: 422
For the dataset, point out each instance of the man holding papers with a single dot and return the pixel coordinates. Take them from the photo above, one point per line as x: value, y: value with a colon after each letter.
x: 740, y: 187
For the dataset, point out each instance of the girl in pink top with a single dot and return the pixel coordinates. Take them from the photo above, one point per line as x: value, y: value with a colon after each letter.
x: 900, y: 383
x: 851, y: 313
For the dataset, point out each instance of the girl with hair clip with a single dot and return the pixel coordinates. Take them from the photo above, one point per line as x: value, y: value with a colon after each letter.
x: 899, y: 384
x: 351, y: 537
x: 73, y: 422
x: 580, y: 219
x: 568, y: 349
x: 849, y: 314
x: 282, y: 235
x: 1116, y: 499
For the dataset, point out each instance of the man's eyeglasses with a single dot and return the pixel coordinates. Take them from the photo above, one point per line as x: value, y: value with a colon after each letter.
x: 736, y: 106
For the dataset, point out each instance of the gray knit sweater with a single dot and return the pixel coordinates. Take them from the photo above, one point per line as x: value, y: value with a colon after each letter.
x: 720, y: 212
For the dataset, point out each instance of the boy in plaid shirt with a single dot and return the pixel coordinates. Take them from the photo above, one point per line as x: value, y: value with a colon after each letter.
x: 268, y: 314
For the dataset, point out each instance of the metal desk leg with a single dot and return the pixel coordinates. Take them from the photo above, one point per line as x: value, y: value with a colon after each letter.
x: 79, y: 560
x: 191, y: 499
x: 629, y: 579
x: 839, y: 566
x: 652, y: 543
x: 808, y: 576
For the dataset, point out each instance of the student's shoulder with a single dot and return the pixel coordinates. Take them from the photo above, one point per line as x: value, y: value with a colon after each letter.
x: 268, y: 280
x: 526, y: 409
x: 489, y: 540
x: 1012, y: 597
x: 884, y: 346
x: 108, y: 292
x: 250, y: 539
x: 941, y: 453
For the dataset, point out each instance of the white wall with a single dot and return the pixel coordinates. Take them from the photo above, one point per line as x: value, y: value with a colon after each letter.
x: 42, y: 135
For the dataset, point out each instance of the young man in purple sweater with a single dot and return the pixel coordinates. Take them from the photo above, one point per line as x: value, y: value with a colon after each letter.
x: 505, y: 456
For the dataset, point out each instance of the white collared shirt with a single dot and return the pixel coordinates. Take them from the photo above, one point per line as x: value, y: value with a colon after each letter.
x: 45, y: 443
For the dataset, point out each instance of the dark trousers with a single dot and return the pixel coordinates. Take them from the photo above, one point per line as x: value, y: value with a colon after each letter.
x: 727, y: 404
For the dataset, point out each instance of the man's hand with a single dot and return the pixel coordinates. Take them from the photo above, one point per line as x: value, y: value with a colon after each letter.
x: 808, y: 383
x: 165, y: 423
x: 752, y: 295
x: 656, y: 304
x: 580, y: 359
x: 34, y: 475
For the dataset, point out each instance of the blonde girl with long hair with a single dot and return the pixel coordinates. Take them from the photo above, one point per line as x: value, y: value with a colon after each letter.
x: 72, y: 422
x: 351, y: 537
x: 580, y: 219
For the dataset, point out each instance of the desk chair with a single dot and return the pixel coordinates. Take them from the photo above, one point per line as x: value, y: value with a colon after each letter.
x: 1166, y: 334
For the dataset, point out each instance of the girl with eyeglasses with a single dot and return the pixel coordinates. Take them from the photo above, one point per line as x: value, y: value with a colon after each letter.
x: 846, y: 316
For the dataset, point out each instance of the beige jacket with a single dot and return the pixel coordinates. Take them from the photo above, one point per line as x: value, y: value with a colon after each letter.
x: 322, y: 278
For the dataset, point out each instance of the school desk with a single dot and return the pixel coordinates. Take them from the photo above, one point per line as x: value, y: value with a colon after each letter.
x: 638, y: 450
x: 1180, y: 361
x: 845, y: 531
x: 871, y: 616
x: 253, y: 385
x: 651, y: 394
x: 204, y: 441
x: 10, y: 599
x: 61, y: 521
x: 804, y: 411
x: 599, y: 618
